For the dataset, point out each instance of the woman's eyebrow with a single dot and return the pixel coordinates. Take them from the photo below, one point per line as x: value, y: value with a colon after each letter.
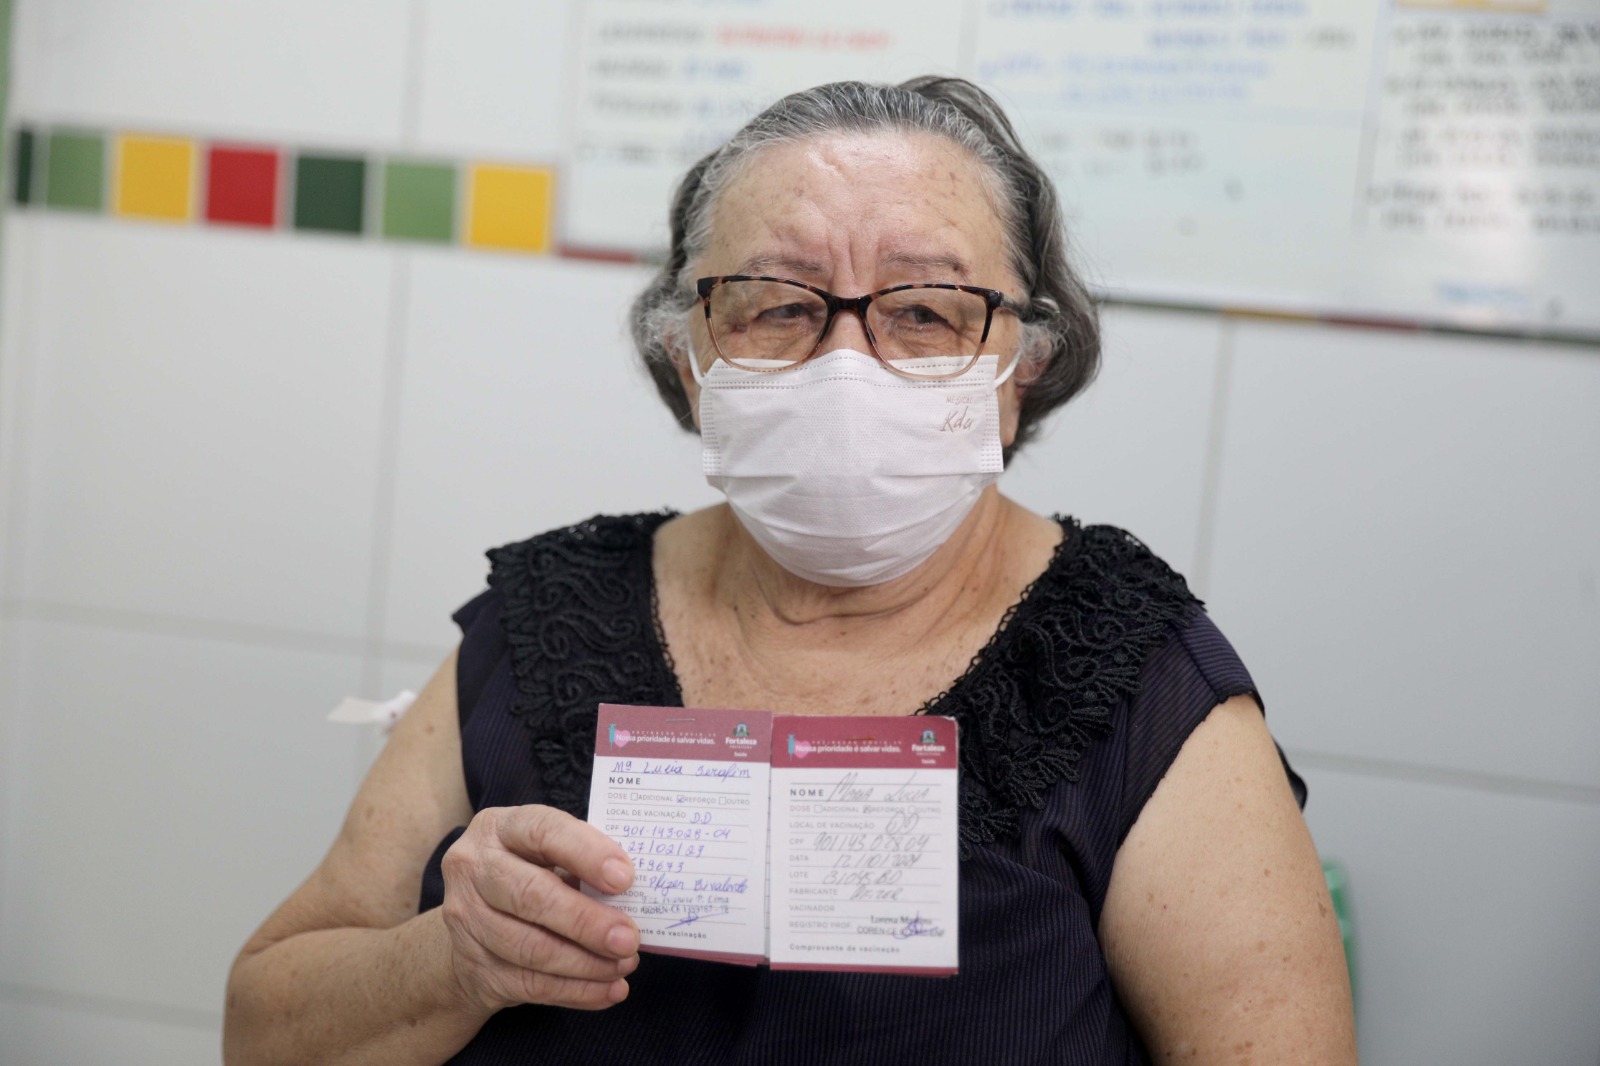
x: 798, y: 267
x: 763, y: 264
x: 935, y: 262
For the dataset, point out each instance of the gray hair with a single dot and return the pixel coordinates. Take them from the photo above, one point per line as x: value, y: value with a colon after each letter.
x: 1060, y: 334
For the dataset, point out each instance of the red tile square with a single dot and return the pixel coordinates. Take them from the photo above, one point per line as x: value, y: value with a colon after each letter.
x: 242, y: 186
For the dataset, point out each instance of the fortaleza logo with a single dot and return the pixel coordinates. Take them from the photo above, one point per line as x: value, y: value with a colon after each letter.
x: 741, y: 737
x: 799, y: 749
x: 929, y: 745
x: 621, y: 738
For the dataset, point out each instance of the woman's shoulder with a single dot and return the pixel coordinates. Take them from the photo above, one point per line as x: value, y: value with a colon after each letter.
x: 595, y: 542
x: 1107, y: 592
x: 1055, y: 681
x: 1135, y: 624
x: 560, y: 574
x: 1112, y: 556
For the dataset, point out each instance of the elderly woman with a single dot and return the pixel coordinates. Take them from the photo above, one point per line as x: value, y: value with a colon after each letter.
x: 866, y: 306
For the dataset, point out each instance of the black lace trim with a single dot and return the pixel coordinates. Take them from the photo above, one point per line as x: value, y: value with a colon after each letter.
x: 582, y: 620
x: 1063, y: 657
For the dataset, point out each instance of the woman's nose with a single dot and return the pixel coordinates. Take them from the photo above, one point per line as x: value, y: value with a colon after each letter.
x: 847, y: 330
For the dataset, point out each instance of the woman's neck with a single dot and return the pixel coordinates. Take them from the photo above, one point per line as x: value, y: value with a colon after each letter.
x: 959, y: 580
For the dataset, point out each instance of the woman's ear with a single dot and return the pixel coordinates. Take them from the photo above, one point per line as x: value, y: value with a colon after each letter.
x: 1032, y: 361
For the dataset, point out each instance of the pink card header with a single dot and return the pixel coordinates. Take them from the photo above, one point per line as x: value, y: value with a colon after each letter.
x: 683, y: 733
x: 917, y: 741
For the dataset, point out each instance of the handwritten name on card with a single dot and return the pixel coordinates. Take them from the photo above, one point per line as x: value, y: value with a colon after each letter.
x: 685, y: 792
x: 864, y: 845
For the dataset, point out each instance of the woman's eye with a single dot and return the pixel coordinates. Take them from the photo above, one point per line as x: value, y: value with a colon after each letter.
x: 785, y: 313
x: 921, y: 316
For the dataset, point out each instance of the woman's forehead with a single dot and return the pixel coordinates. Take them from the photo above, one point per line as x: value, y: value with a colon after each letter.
x: 904, y: 200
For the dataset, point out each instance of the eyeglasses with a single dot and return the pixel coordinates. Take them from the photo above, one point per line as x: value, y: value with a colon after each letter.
x: 925, y: 330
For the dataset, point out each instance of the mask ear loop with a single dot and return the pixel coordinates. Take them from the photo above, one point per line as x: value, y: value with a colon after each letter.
x: 1008, y: 371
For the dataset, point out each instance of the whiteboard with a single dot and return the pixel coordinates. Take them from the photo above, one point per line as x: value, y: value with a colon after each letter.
x: 1432, y: 163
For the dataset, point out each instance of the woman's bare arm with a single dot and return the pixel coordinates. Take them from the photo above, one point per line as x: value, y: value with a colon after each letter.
x: 1218, y: 928
x: 341, y: 966
x: 346, y: 971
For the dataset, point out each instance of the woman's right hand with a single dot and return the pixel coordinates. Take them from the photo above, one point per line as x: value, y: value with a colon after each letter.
x: 519, y: 932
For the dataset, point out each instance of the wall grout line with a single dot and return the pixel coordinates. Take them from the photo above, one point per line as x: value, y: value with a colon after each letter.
x: 967, y: 61
x: 407, y: 651
x: 16, y: 464
x: 388, y: 472
x: 1471, y: 780
x: 35, y: 610
x: 111, y: 1006
x: 411, y: 101
x: 1211, y: 472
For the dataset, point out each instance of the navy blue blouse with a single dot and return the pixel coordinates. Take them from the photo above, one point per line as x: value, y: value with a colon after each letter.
x: 1069, y: 718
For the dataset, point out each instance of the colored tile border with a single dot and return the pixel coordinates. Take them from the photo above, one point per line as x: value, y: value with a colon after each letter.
x: 330, y: 193
x: 155, y: 177
x: 142, y: 176
x: 22, y: 156
x: 75, y: 171
x: 509, y: 208
x: 242, y: 185
x: 419, y: 201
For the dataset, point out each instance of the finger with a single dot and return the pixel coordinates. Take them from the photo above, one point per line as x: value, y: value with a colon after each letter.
x: 529, y: 947
x: 552, y: 837
x: 571, y: 992
x: 539, y: 897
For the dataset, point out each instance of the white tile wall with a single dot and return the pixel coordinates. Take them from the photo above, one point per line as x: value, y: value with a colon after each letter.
x: 18, y: 288
x: 492, y: 72
x: 35, y: 1035
x: 1406, y: 548
x: 523, y: 410
x: 1476, y: 939
x: 203, y: 421
x: 1131, y: 450
x: 164, y: 795
x: 310, y: 71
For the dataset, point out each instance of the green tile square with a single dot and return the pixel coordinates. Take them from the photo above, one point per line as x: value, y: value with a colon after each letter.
x: 329, y: 193
x: 419, y: 201
x: 75, y: 169
x: 22, y: 163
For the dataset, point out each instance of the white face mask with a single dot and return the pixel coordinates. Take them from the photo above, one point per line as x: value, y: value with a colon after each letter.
x: 845, y: 473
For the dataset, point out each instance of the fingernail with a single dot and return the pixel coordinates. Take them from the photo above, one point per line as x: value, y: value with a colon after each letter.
x: 627, y: 965
x: 622, y: 940
x: 618, y: 991
x: 616, y: 874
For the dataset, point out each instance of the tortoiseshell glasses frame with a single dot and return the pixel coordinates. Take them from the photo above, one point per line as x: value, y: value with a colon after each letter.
x: 968, y: 345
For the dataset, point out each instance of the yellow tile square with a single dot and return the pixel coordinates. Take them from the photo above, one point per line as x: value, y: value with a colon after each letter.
x: 155, y: 177
x: 509, y: 207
